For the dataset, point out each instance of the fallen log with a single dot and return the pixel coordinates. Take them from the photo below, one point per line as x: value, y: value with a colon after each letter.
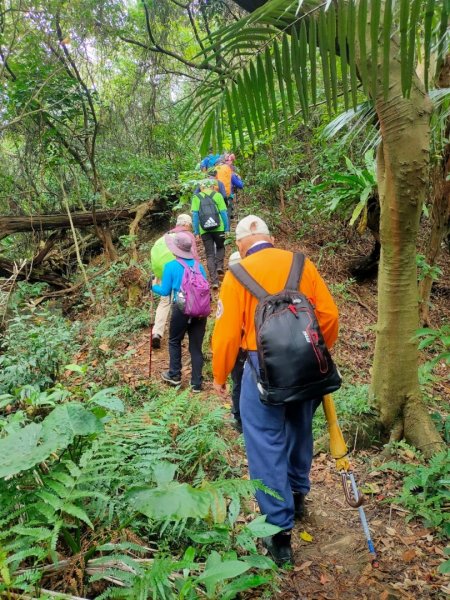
x: 53, y: 266
x: 11, y: 224
x: 28, y: 273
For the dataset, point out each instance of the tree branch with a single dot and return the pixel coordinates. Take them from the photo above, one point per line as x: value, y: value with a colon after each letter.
x: 157, y: 48
x: 90, y: 147
x: 194, y: 27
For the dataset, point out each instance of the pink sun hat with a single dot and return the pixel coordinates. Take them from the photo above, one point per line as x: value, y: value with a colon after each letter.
x: 180, y: 244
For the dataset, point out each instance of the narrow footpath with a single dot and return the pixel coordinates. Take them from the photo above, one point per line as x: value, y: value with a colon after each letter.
x: 332, y: 561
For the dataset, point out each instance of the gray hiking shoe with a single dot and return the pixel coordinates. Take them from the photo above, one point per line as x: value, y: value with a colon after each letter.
x: 165, y: 376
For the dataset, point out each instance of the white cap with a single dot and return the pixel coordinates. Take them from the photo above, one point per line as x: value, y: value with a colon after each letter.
x: 251, y: 225
x: 234, y: 259
x: 184, y: 220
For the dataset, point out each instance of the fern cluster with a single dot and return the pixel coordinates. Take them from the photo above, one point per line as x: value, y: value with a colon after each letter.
x: 426, y: 490
x: 113, y: 498
x: 34, y: 348
x: 119, y: 323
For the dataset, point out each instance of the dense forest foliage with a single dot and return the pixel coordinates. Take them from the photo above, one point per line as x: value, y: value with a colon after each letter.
x: 338, y: 112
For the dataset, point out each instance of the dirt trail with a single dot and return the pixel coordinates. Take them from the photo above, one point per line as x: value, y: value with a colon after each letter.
x: 335, y: 565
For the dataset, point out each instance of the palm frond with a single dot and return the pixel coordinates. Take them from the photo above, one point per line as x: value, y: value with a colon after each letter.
x: 273, y: 67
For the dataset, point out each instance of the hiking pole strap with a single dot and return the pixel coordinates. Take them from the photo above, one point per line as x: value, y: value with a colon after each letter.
x: 296, y: 272
x: 244, y: 277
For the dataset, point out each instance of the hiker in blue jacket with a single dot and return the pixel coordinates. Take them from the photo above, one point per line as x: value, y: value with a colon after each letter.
x: 180, y: 244
x: 210, y: 160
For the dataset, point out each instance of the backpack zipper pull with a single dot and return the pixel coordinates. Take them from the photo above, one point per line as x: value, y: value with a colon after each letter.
x: 293, y: 310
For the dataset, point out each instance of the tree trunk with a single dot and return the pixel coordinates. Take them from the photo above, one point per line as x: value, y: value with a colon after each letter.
x: 402, y: 172
x: 141, y: 211
x: 104, y: 235
x: 440, y: 211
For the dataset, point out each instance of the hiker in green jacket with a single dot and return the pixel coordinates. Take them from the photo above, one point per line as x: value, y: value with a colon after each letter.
x: 210, y: 221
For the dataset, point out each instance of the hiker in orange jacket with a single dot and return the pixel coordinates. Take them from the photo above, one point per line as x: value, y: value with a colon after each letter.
x: 226, y: 175
x: 278, y: 438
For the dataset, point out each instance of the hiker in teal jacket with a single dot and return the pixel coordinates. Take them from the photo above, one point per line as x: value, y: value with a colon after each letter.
x: 213, y: 239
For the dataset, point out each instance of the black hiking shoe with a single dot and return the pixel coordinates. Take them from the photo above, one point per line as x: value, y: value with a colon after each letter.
x: 156, y: 342
x: 220, y: 272
x: 196, y: 389
x: 299, y: 505
x: 279, y: 547
x: 165, y: 376
x: 238, y: 425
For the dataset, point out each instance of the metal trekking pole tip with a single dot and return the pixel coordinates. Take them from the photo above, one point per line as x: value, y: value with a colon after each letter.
x: 362, y: 516
x: 374, y: 562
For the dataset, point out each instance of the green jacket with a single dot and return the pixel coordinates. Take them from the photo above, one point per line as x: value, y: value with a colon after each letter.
x: 221, y: 207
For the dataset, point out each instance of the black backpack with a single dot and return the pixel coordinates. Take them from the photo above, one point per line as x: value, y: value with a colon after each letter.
x: 294, y: 362
x: 208, y: 213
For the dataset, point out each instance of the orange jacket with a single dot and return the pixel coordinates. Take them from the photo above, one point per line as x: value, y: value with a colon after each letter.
x: 234, y: 326
x: 224, y: 173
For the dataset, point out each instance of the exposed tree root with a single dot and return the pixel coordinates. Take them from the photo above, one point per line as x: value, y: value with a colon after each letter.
x: 420, y: 431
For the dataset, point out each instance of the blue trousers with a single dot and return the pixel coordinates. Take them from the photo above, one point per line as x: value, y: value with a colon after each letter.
x: 279, y: 445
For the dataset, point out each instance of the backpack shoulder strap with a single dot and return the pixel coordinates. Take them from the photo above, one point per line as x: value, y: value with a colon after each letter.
x: 296, y: 272
x: 182, y: 262
x: 250, y: 284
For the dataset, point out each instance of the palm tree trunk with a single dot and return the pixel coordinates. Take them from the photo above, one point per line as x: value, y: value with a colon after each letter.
x: 403, y: 161
x: 402, y: 171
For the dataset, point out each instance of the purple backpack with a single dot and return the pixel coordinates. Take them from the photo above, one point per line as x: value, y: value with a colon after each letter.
x: 194, y: 297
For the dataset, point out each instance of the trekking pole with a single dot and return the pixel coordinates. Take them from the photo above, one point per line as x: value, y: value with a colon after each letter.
x: 339, y: 450
x: 151, y: 324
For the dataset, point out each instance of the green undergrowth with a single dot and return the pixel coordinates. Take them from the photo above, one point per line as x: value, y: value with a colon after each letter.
x: 114, y: 492
x: 120, y: 322
x: 34, y: 348
x: 144, y: 499
x: 425, y: 489
x: 351, y: 406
